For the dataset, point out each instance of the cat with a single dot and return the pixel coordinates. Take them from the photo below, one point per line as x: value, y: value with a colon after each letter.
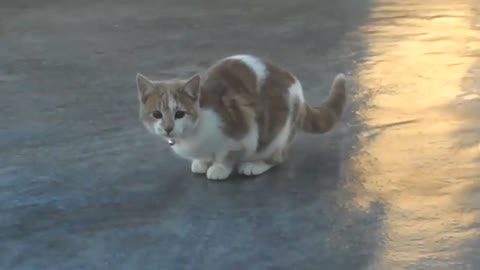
x: 241, y: 113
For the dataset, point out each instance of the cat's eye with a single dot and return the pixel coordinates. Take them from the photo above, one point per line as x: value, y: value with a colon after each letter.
x: 157, y: 114
x: 179, y: 114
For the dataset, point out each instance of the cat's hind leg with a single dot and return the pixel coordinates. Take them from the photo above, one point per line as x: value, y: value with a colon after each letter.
x: 252, y: 168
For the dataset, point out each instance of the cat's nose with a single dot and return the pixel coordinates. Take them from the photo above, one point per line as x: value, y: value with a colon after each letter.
x: 168, y: 129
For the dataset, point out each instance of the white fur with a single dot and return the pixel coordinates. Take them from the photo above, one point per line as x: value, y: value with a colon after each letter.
x: 280, y: 141
x: 206, y: 141
x: 250, y: 141
x: 253, y: 168
x: 209, y: 141
x: 256, y: 65
x: 157, y: 128
x: 172, y: 103
x: 208, y: 144
x: 296, y: 91
x: 199, y: 166
x: 218, y: 172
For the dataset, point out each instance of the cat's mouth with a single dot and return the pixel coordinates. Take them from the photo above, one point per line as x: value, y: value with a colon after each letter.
x: 171, y: 142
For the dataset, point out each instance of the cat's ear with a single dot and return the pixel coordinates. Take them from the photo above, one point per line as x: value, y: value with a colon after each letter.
x: 144, y: 86
x: 192, y: 86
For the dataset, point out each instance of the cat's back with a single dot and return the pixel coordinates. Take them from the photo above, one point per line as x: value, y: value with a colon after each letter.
x: 245, y: 76
x: 249, y: 92
x: 234, y: 75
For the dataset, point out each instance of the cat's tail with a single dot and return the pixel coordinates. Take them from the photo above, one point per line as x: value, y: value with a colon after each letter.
x: 322, y: 118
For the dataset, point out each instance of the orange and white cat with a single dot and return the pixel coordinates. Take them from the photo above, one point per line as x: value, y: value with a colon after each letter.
x: 242, y: 113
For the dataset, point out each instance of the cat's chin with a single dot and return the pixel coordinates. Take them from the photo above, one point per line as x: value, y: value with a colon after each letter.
x: 171, y: 142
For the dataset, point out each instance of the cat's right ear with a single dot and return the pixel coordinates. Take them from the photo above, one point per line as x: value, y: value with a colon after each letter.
x: 144, y: 87
x: 192, y: 87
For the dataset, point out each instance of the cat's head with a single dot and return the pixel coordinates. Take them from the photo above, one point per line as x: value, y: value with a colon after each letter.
x: 169, y: 108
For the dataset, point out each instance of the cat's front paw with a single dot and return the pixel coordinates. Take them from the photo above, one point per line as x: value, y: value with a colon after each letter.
x: 199, y: 166
x: 253, y: 168
x: 218, y: 172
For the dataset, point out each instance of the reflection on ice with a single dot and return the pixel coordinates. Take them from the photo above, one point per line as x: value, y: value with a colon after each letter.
x: 420, y: 56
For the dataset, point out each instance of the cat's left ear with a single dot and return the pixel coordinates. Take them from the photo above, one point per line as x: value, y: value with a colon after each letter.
x: 144, y: 87
x: 192, y: 86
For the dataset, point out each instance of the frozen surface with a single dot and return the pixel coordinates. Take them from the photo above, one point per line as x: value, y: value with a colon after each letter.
x: 394, y: 186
